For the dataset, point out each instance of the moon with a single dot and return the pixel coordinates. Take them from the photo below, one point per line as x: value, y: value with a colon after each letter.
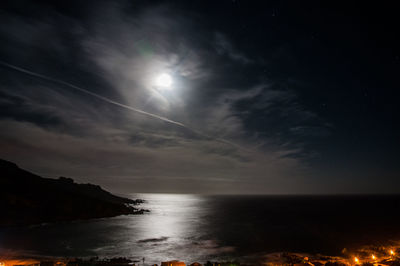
x: 164, y: 81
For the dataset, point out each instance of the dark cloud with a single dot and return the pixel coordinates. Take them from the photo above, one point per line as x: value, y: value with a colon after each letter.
x: 153, y: 240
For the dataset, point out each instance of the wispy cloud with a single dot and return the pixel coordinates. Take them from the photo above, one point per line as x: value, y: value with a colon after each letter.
x: 225, y: 47
x: 96, y: 115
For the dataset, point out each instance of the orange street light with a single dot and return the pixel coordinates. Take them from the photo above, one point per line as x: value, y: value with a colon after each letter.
x: 356, y: 260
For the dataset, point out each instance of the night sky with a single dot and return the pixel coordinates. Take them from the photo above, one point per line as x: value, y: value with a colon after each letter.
x: 266, y: 97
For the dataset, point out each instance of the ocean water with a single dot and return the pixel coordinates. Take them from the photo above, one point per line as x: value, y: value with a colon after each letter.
x: 200, y: 228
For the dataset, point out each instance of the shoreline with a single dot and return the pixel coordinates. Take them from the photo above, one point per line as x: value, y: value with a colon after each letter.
x: 137, y: 211
x: 367, y: 255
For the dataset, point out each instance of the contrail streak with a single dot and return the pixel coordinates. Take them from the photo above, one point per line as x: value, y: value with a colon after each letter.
x: 41, y: 76
x: 26, y: 71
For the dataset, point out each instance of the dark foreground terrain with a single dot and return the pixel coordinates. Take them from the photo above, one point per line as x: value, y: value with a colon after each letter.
x: 382, y: 256
x: 26, y: 198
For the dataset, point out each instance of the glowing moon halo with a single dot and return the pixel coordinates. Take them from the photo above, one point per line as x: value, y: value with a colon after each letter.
x: 164, y: 80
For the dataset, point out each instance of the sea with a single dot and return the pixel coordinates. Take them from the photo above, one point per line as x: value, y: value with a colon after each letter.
x: 204, y: 228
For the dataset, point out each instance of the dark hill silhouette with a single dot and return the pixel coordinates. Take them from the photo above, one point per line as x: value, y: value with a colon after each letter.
x: 26, y: 198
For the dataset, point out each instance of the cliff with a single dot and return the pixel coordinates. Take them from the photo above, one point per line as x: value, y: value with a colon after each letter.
x: 26, y: 198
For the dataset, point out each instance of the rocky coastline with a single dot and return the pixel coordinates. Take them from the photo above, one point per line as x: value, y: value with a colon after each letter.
x: 28, y: 199
x: 282, y: 259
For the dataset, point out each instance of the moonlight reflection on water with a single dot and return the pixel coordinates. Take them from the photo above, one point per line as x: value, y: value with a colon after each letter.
x: 200, y: 228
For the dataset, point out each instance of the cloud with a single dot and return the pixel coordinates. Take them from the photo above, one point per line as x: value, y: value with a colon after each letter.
x: 112, y: 157
x: 225, y: 47
x: 53, y: 130
x: 153, y: 240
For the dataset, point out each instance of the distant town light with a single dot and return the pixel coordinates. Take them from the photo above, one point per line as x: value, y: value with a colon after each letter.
x: 373, y: 257
x: 391, y: 252
x: 356, y: 260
